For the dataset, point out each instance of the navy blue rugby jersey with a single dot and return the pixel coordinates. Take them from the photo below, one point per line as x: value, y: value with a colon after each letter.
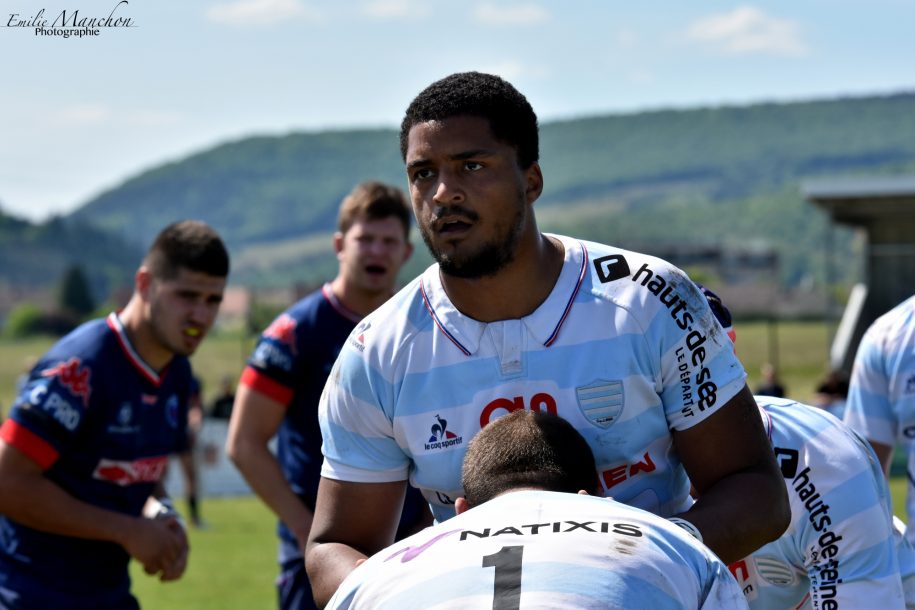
x: 290, y: 364
x: 101, y: 423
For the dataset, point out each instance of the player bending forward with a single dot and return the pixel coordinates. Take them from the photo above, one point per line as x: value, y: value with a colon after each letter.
x: 524, y: 539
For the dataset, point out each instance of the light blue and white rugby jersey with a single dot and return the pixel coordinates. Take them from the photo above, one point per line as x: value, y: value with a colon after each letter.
x: 539, y: 549
x: 881, y: 393
x: 840, y: 550
x: 624, y: 347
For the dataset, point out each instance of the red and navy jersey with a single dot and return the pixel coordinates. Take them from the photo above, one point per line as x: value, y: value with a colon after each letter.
x: 290, y: 364
x: 101, y: 423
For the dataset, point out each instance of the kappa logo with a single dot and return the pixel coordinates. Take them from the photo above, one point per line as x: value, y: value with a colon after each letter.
x: 611, y: 268
x: 283, y: 330
x: 442, y: 437
x: 601, y: 401
x: 73, y: 377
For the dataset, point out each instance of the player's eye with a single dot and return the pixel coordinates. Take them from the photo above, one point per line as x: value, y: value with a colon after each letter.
x: 423, y: 174
x: 473, y: 166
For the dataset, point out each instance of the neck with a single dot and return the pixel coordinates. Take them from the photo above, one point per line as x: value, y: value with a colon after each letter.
x: 360, y: 302
x: 515, y: 291
x: 141, y: 337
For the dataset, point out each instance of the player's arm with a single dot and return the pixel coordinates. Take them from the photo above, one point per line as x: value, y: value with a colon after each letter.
x: 30, y: 498
x: 352, y: 522
x: 255, y: 420
x: 743, y: 502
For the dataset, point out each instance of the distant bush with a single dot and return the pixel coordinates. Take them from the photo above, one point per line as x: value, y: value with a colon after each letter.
x: 28, y: 320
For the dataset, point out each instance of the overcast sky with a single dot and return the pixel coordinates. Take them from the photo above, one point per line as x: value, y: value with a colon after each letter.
x: 81, y: 115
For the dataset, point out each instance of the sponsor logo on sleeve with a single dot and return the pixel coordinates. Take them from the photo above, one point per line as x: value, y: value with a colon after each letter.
x: 611, y: 268
x: 787, y: 460
x: 824, y: 554
x: 282, y: 330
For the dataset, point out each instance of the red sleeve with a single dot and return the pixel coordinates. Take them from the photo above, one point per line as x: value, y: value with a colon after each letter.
x: 254, y: 379
x: 29, y: 443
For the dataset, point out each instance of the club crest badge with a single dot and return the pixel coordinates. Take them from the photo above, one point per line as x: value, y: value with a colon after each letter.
x: 601, y: 401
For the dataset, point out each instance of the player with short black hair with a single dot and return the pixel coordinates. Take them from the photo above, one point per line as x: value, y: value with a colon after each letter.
x: 88, y: 439
x: 534, y: 538
x: 620, y: 344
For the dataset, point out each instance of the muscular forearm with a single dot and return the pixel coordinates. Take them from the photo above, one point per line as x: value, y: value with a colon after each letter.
x: 264, y: 475
x: 328, y: 564
x: 42, y: 505
x: 741, y: 513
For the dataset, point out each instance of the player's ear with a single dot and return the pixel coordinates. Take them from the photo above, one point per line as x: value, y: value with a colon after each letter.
x: 533, y: 187
x: 338, y: 243
x: 461, y: 505
x: 143, y: 280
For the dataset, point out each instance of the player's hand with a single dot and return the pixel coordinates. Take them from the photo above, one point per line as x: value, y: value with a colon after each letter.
x: 177, y: 568
x: 160, y: 545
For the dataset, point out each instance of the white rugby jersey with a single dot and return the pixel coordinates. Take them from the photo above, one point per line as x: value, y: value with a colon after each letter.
x: 881, y: 393
x: 840, y: 550
x: 538, y: 549
x: 625, y: 348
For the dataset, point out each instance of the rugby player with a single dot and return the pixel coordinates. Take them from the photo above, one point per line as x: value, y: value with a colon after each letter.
x: 620, y: 344
x: 88, y: 438
x: 841, y: 549
x: 881, y: 398
x: 523, y: 538
x: 280, y: 387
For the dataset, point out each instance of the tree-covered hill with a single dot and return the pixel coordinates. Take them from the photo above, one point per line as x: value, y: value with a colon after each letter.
x: 37, y: 255
x: 725, y: 175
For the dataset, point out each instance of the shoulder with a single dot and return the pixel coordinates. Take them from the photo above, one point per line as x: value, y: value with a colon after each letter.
x: 642, y: 284
x: 88, y: 343
x: 396, y: 322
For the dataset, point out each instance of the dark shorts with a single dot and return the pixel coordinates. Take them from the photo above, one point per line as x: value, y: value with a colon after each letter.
x: 292, y: 587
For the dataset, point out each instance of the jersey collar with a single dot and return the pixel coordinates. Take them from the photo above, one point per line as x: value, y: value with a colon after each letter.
x: 338, y: 305
x: 544, y: 323
x: 115, y: 324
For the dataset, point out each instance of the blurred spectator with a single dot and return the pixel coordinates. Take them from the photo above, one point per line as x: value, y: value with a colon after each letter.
x: 221, y: 407
x: 770, y: 385
x: 832, y: 392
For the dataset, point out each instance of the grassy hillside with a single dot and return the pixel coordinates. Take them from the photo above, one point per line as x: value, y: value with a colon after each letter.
x: 726, y: 176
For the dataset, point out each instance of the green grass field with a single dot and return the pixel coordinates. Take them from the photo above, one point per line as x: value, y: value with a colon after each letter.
x: 232, y: 564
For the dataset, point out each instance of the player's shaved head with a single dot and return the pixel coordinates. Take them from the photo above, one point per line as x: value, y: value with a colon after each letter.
x: 527, y: 449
